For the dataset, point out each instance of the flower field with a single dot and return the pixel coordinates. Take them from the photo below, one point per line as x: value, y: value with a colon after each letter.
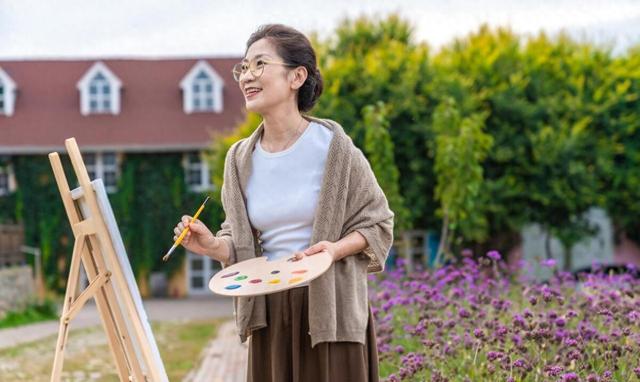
x: 480, y: 320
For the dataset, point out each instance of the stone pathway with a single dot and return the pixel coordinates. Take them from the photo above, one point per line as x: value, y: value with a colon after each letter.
x: 223, y: 360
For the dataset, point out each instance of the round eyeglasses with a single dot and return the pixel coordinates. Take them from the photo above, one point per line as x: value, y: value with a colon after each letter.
x: 256, y: 67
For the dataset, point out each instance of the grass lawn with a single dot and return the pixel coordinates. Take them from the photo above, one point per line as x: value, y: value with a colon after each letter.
x: 88, y: 356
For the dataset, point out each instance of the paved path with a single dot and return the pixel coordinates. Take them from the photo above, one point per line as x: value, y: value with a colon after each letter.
x: 156, y: 309
x: 223, y: 360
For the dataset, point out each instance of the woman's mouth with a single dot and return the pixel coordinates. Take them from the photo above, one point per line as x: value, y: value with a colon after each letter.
x: 251, y: 92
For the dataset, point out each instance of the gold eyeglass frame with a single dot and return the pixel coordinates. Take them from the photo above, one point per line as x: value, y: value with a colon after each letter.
x: 253, y: 68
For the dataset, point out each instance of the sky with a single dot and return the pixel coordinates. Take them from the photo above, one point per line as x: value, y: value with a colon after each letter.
x: 31, y: 29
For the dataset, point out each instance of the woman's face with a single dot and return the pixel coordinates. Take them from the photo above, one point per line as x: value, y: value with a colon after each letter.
x: 273, y: 87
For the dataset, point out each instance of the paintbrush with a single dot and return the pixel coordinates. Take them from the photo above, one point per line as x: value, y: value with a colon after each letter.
x: 184, y: 231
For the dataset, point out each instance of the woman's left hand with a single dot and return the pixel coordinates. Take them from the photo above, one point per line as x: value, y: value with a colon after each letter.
x: 319, y: 247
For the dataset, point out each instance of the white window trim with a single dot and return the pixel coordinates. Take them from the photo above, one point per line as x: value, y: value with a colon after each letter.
x: 8, y: 169
x: 85, y: 96
x: 187, y: 88
x: 207, y: 272
x: 99, y: 168
x: 205, y: 174
x: 9, y: 95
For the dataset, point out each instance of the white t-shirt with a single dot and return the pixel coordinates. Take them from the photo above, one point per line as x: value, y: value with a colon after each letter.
x: 283, y: 189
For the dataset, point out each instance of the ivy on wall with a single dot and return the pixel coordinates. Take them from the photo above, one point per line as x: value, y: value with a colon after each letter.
x: 150, y: 199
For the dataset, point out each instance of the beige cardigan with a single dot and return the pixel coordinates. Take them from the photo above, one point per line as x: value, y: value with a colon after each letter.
x: 350, y: 200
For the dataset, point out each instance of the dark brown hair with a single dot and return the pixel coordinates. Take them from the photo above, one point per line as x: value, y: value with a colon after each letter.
x: 295, y: 49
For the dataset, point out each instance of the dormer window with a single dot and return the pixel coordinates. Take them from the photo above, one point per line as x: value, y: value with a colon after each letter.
x: 99, y: 94
x: 202, y: 90
x: 7, y: 94
x: 99, y: 91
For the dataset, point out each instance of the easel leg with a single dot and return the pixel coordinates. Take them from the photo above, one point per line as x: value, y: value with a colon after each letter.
x: 72, y: 283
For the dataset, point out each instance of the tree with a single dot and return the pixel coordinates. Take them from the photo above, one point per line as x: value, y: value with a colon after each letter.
x: 461, y: 146
x: 378, y: 147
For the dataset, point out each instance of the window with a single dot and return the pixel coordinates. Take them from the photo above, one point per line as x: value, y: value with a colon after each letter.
x: 202, y: 93
x: 7, y: 178
x: 197, y: 174
x: 99, y: 94
x: 200, y: 269
x: 103, y: 166
x: 7, y: 94
x: 99, y: 91
x: 202, y: 89
x: 1, y: 98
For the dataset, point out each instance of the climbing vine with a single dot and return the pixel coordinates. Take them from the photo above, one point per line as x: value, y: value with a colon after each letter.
x: 151, y: 197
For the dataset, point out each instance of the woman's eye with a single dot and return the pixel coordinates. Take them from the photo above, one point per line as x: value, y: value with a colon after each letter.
x: 244, y: 67
x: 259, y: 63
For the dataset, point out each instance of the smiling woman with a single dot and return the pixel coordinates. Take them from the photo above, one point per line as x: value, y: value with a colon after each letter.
x: 299, y: 186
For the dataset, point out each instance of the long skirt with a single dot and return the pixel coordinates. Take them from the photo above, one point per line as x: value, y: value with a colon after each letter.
x: 281, y: 352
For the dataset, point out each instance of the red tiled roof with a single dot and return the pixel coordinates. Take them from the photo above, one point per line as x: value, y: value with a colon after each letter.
x: 47, y: 108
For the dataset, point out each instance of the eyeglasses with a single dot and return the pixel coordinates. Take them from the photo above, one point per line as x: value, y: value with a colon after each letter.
x: 256, y: 67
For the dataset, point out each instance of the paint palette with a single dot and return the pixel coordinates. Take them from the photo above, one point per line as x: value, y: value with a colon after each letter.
x: 260, y: 276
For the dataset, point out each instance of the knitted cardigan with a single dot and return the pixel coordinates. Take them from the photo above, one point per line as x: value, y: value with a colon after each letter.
x: 350, y: 200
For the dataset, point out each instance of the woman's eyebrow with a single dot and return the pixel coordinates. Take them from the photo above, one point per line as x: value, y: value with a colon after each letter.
x: 256, y: 56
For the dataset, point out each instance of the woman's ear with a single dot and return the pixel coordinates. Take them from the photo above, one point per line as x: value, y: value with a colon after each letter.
x: 299, y: 76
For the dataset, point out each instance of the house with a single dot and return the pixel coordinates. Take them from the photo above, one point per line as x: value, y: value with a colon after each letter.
x: 116, y: 107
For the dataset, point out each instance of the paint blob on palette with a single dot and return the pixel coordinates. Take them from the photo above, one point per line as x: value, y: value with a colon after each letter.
x: 259, y: 276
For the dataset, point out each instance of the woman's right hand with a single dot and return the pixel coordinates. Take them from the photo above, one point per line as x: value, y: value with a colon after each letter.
x: 199, y: 238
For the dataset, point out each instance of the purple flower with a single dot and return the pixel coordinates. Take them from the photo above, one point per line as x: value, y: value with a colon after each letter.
x: 592, y: 378
x: 520, y: 363
x: 467, y: 252
x: 494, y: 255
x: 463, y: 313
x: 570, y: 377
x: 549, y: 263
x: 493, y: 355
x: 553, y: 371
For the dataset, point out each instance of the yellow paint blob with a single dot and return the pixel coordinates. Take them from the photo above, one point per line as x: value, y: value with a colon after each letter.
x: 274, y: 281
x: 295, y: 280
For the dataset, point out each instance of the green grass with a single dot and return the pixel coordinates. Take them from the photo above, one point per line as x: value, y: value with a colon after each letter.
x: 34, y: 312
x: 88, y: 356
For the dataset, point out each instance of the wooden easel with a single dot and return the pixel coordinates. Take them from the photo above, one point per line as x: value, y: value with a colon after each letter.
x: 98, y: 248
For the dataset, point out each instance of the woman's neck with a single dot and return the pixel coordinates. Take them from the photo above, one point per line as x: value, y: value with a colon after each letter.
x: 280, y: 126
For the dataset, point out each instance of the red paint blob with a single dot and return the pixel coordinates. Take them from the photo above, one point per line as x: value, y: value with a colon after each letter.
x: 255, y: 281
x: 300, y: 271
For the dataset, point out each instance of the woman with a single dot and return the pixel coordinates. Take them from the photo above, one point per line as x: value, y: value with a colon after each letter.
x: 296, y: 181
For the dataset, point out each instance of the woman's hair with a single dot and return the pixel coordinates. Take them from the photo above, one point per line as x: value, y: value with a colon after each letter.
x: 295, y: 49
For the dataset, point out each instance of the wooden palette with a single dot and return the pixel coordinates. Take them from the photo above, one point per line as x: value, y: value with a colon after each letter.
x: 260, y: 276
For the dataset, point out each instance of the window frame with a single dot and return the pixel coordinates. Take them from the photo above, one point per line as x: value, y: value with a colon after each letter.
x: 100, y: 168
x: 8, y: 171
x: 202, y: 167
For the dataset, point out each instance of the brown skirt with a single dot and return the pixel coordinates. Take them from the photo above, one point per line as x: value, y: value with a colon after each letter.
x: 281, y: 352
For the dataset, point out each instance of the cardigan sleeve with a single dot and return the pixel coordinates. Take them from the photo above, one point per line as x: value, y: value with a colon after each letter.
x: 226, y: 233
x: 368, y: 212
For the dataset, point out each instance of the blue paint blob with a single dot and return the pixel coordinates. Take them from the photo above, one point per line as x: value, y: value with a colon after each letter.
x: 232, y: 286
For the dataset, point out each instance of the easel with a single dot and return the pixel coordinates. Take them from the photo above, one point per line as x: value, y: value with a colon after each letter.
x: 98, y: 247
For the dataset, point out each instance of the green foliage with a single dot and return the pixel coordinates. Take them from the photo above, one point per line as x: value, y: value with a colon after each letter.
x: 33, y: 312
x: 461, y: 146
x: 374, y: 60
x: 150, y: 199
x: 378, y: 147
x: 493, y: 131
